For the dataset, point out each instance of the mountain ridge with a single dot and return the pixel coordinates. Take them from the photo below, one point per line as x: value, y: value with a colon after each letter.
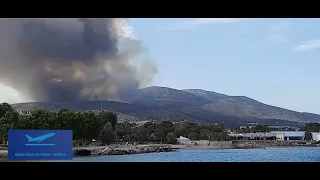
x: 163, y: 103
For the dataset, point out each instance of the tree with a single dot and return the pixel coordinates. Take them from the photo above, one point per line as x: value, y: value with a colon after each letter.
x: 12, y: 118
x: 312, y: 127
x: 216, y: 128
x: 308, y: 136
x: 124, y: 131
x: 260, y: 128
x: 4, y: 127
x: 150, y: 126
x: 204, y: 134
x: 182, y: 129
x: 171, y: 138
x: 193, y: 136
x: 160, y: 135
x: 108, y: 117
x: 107, y: 134
x: 103, y: 125
x: 211, y: 136
x: 166, y: 124
x: 142, y: 133
x: 4, y: 108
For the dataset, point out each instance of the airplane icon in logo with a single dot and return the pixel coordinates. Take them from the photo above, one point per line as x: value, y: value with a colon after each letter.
x: 40, y: 139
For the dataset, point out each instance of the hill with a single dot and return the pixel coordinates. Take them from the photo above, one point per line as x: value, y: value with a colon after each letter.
x: 161, y: 103
x: 242, y: 106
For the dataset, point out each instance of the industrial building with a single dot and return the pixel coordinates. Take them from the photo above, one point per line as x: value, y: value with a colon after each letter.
x: 23, y: 113
x: 316, y: 136
x: 289, y: 135
x: 253, y: 136
x: 183, y: 140
x: 273, y: 135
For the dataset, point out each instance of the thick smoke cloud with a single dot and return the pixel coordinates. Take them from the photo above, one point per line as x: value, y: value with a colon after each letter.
x: 72, y: 59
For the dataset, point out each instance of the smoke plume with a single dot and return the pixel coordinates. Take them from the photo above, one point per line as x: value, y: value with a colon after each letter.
x: 72, y: 59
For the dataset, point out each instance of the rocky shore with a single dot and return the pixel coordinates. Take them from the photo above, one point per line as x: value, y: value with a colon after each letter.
x: 154, y: 148
x: 3, y: 155
x: 110, y: 150
x: 266, y: 144
x: 122, y: 150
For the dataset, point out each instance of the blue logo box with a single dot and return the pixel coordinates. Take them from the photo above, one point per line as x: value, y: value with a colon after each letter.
x: 39, y: 144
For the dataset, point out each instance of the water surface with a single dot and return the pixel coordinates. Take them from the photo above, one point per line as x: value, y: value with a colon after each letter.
x: 296, y: 154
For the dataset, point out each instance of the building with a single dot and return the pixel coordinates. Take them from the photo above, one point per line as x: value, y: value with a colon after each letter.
x: 183, y: 140
x: 23, y: 113
x: 141, y: 123
x: 279, y: 127
x: 316, y: 136
x: 244, y: 127
x: 253, y: 136
x: 289, y: 135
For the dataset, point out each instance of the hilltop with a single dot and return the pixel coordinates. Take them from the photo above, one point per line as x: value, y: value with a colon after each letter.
x: 196, y: 105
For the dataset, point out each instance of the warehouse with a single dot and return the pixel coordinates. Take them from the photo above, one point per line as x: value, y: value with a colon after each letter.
x: 183, y: 140
x: 316, y: 136
x: 253, y: 136
x: 289, y: 135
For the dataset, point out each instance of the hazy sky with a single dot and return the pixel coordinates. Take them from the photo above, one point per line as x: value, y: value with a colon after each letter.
x: 275, y: 61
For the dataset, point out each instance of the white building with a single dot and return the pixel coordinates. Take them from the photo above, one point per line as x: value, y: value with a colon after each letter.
x: 253, y: 136
x: 289, y: 135
x: 316, y: 136
x: 23, y: 113
x: 183, y: 140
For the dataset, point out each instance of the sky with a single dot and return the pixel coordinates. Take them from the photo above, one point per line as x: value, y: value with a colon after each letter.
x: 275, y: 61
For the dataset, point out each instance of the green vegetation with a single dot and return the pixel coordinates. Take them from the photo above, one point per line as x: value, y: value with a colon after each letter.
x: 85, y: 125
x: 167, y: 132
x: 107, y: 134
x: 103, y: 126
x: 255, y: 129
x: 308, y: 136
x: 312, y: 127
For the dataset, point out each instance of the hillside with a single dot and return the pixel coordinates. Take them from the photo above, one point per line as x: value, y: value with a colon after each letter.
x: 161, y: 103
x: 167, y: 97
x: 211, y: 96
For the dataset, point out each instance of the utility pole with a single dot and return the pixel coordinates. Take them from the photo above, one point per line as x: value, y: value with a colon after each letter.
x: 101, y: 111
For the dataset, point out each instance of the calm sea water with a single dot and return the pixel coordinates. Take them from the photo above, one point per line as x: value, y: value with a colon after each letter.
x: 297, y: 154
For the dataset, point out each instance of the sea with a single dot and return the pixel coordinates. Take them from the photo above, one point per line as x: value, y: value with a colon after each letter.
x: 294, y: 154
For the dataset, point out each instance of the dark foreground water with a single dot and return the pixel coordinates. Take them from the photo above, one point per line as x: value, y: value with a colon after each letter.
x: 297, y: 154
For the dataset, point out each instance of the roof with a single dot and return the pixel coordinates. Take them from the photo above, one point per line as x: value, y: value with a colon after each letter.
x: 258, y: 135
x: 232, y: 134
x: 141, y: 122
x: 254, y: 135
x: 184, y: 138
x: 279, y: 126
x: 290, y: 133
x: 315, y: 135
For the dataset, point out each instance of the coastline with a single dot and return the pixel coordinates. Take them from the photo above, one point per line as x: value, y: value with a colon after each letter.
x: 116, y: 149
x: 3, y: 155
x: 153, y: 148
x: 121, y: 149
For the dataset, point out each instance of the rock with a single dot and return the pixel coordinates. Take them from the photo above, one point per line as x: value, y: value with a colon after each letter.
x: 82, y: 152
x: 3, y: 154
x: 131, y: 150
